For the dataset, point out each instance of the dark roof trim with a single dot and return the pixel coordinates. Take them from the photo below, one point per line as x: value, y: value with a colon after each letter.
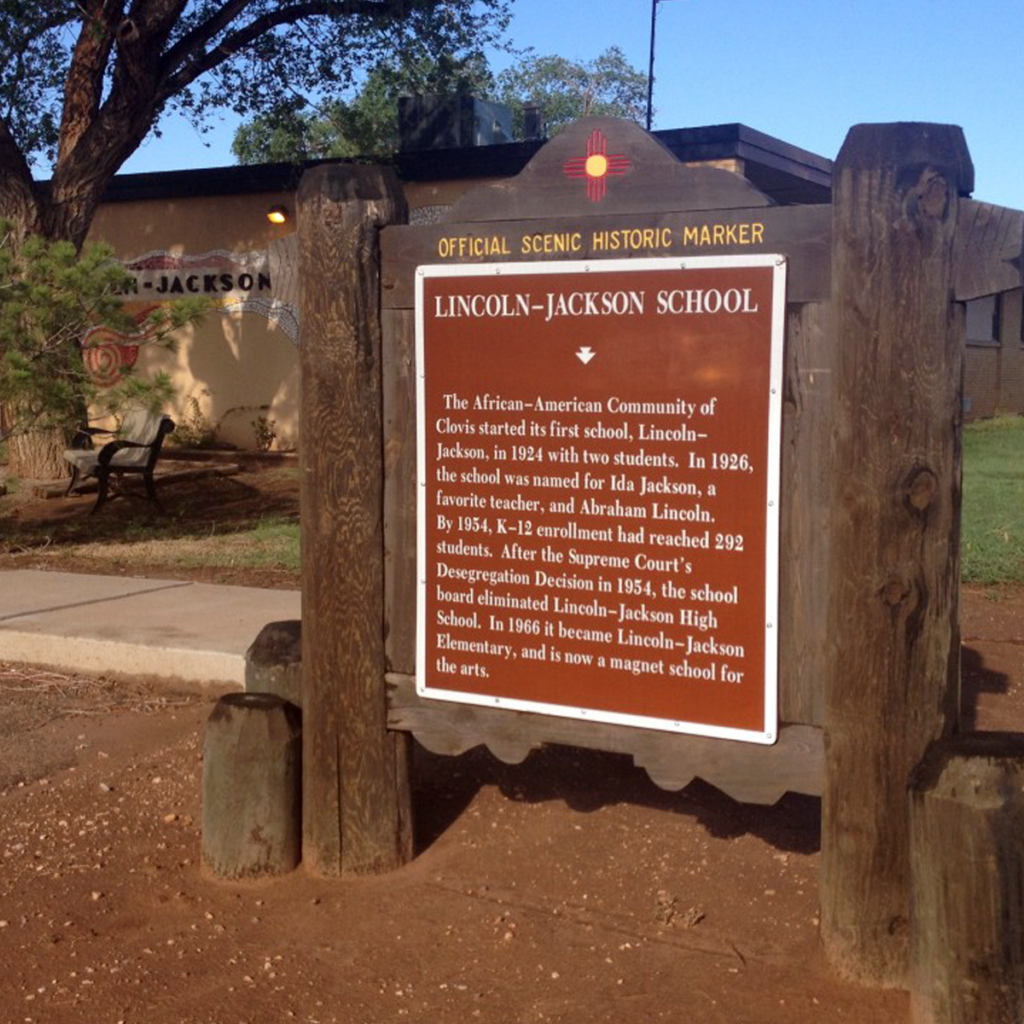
x: 502, y: 161
x: 243, y: 179
x: 725, y: 141
x: 713, y: 142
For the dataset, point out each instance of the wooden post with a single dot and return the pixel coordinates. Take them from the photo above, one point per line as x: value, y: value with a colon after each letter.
x: 252, y: 787
x: 967, y: 853
x: 356, y: 805
x: 273, y: 662
x: 804, y: 540
x: 891, y: 673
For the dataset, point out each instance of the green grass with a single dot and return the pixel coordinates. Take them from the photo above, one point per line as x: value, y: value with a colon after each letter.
x: 992, y: 539
x: 244, y: 522
x: 993, y: 501
x: 269, y: 543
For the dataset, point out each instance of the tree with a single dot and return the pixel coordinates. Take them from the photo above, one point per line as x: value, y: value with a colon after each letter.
x: 366, y: 125
x: 51, y: 297
x: 287, y: 134
x: 567, y: 90
x: 83, y: 82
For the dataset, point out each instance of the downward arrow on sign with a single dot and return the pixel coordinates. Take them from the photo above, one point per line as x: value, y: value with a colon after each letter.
x: 585, y: 354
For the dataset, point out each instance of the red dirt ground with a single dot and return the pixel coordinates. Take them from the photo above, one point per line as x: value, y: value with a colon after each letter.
x: 568, y: 889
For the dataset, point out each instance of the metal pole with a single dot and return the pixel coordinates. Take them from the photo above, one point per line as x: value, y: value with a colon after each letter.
x: 650, y: 65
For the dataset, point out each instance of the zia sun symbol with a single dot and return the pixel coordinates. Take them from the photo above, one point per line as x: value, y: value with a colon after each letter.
x: 597, y: 166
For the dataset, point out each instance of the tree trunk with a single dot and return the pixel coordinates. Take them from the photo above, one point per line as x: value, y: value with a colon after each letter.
x: 61, y: 209
x: 38, y: 456
x: 19, y: 197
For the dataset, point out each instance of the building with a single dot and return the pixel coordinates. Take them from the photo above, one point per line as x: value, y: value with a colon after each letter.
x: 237, y: 377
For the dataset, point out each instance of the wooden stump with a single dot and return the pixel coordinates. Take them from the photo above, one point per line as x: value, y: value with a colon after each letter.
x: 273, y: 662
x: 252, y: 787
x: 356, y: 800
x: 967, y: 912
x: 892, y: 667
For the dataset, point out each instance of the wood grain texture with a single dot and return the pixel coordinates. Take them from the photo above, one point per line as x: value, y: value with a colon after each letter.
x: 802, y: 233
x: 891, y: 681
x: 651, y: 180
x: 804, y: 541
x: 746, y: 771
x: 399, y: 356
x: 988, y: 250
x: 252, y: 787
x: 966, y: 824
x: 355, y: 813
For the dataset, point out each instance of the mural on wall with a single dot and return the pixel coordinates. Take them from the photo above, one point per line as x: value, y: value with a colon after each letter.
x: 264, y: 283
x: 108, y: 354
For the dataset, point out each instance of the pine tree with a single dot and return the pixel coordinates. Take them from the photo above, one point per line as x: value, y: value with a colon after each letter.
x: 51, y: 298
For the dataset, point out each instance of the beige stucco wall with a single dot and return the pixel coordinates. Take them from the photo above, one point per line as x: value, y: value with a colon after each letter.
x: 439, y: 193
x: 234, y: 362
x: 238, y: 366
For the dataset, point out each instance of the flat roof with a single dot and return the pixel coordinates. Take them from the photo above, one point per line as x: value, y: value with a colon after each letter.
x: 785, y: 172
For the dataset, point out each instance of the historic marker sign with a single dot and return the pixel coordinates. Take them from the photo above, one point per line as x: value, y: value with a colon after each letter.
x: 598, y: 481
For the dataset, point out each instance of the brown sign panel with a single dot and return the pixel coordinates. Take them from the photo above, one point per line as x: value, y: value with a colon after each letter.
x: 598, y: 471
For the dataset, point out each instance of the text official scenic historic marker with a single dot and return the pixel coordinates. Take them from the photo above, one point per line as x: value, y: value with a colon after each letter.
x: 598, y: 468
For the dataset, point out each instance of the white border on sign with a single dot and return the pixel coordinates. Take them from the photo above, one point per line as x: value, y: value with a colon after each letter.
x: 769, y: 734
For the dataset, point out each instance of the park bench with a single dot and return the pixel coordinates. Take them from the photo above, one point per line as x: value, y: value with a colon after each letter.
x: 134, y: 448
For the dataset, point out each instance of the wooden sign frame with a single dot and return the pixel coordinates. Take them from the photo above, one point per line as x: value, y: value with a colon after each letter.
x: 659, y: 208
x: 870, y: 470
x: 666, y: 208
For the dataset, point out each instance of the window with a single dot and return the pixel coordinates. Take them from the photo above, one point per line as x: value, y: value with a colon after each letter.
x: 983, y: 321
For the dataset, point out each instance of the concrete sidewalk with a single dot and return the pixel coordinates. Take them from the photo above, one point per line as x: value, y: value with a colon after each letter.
x: 173, y: 629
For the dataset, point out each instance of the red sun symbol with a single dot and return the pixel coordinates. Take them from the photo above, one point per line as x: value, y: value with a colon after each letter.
x: 597, y: 166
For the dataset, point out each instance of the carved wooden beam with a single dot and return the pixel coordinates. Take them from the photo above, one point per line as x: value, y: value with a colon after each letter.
x: 987, y: 253
x: 748, y: 772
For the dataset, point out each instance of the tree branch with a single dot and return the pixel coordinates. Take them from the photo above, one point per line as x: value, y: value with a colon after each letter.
x: 154, y: 19
x: 193, y: 64
x: 83, y: 88
x: 55, y: 20
x: 16, y: 187
x: 200, y: 36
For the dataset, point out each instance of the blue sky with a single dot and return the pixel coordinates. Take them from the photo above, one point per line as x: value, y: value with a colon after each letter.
x: 802, y: 70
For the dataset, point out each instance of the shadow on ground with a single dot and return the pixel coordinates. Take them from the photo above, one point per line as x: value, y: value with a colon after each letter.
x: 587, y: 781
x: 38, y: 533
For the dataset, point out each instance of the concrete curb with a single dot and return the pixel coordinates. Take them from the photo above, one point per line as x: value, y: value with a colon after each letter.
x: 169, y: 629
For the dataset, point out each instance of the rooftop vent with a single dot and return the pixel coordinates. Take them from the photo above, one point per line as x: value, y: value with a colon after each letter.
x: 451, y: 122
x: 533, y: 121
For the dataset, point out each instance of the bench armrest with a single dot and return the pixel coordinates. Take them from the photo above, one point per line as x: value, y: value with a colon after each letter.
x: 111, y: 448
x: 83, y: 439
